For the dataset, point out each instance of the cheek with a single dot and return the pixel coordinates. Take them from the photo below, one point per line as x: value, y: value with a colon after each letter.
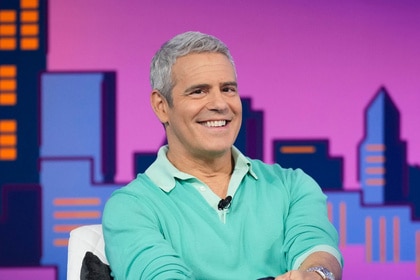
x: 181, y: 117
x: 238, y: 107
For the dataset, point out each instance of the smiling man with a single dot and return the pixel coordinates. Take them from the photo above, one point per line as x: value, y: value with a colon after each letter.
x: 203, y: 210
x: 203, y: 118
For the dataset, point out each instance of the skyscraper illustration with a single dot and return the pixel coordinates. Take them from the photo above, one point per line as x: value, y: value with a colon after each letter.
x: 77, y: 155
x: 22, y: 40
x: 23, y: 48
x: 382, y: 154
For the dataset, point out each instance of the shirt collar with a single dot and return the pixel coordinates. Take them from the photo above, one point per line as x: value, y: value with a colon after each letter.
x: 163, y: 173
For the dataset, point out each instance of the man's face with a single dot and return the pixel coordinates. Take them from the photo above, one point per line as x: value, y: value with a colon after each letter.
x: 207, y: 112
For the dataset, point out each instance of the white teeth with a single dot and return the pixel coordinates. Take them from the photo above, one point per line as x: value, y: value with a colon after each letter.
x: 215, y: 123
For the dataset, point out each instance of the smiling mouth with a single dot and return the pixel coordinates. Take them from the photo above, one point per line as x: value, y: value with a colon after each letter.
x: 215, y: 123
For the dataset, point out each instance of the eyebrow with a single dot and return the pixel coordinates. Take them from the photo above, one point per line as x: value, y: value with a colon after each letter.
x: 235, y: 84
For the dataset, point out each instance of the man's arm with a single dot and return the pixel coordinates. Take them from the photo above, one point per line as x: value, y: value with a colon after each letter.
x: 135, y: 247
x: 323, y: 259
x: 311, y: 239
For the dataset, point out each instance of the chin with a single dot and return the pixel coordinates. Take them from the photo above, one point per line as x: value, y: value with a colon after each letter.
x: 219, y: 150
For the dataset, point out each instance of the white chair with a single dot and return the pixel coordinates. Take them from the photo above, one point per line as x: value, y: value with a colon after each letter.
x: 83, y: 239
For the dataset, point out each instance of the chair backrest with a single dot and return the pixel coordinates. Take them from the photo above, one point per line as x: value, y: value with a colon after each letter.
x: 83, y: 239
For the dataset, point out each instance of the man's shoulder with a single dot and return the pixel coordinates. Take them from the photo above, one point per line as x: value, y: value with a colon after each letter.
x: 139, y: 186
x: 267, y: 170
x: 260, y: 165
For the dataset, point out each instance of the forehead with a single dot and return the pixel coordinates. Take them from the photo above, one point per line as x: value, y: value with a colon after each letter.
x: 203, y: 65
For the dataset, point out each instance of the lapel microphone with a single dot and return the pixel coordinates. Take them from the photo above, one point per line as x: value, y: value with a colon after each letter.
x: 224, y: 203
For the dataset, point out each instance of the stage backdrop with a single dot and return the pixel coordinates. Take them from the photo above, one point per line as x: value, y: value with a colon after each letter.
x: 332, y: 87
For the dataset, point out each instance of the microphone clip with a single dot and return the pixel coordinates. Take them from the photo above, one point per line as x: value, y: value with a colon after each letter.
x: 224, y: 203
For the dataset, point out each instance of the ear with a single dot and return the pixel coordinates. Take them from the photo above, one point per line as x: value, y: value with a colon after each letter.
x: 160, y: 106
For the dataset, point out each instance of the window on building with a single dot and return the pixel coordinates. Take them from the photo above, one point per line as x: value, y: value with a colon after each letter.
x: 8, y: 85
x: 8, y: 140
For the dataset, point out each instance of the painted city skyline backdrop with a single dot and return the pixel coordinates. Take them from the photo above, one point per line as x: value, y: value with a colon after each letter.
x: 311, y: 67
x: 310, y: 76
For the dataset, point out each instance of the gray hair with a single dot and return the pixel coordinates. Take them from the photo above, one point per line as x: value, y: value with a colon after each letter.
x: 181, y: 45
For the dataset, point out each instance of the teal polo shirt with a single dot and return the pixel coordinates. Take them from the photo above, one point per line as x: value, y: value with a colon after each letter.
x: 164, y: 175
x: 165, y: 224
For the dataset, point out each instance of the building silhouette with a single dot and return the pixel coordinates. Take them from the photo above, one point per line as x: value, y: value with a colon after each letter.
x: 383, y: 212
x: 313, y: 158
x: 382, y: 154
x: 23, y: 48
x: 387, y: 232
x: 77, y: 155
x: 414, y: 190
x: 250, y: 140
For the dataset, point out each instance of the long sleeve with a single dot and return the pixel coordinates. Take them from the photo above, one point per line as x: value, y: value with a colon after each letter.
x: 135, y: 246
x: 307, y: 228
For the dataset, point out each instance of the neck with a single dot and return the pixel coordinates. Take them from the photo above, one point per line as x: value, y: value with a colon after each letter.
x: 215, y: 172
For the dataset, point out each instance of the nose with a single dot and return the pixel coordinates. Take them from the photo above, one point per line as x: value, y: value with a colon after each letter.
x: 217, y: 101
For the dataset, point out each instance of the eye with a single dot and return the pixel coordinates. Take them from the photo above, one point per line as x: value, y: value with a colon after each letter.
x: 197, y: 91
x: 230, y: 89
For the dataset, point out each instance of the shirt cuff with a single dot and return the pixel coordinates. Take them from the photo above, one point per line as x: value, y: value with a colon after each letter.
x: 319, y: 248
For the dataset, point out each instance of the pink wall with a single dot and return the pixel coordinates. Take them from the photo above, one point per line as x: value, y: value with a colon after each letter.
x: 28, y: 273
x: 312, y: 66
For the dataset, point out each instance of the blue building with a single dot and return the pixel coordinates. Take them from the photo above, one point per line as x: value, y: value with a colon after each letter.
x: 387, y: 232
x: 23, y: 49
x: 312, y: 156
x: 382, y: 154
x: 250, y: 140
x: 77, y: 156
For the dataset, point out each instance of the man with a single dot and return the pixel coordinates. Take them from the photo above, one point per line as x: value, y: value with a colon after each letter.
x: 203, y: 210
